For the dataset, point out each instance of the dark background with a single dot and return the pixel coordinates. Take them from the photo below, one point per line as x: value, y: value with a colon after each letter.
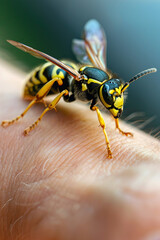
x: 133, y: 34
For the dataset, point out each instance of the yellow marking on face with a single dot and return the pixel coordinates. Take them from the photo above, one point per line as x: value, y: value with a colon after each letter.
x: 84, y: 87
x: 102, y: 99
x: 119, y: 102
x: 90, y: 80
x: 111, y: 91
x: 118, y: 90
x: 114, y: 111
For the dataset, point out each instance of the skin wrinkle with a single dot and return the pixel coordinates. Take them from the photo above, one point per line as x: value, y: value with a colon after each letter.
x: 26, y: 213
x: 18, y: 223
x: 34, y: 205
x: 57, y: 143
x: 89, y: 164
x: 86, y: 149
x: 120, y: 153
x: 78, y: 149
x: 47, y: 169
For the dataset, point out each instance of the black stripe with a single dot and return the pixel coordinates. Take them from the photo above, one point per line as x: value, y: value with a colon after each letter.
x: 38, y: 78
x: 48, y: 72
x: 37, y: 75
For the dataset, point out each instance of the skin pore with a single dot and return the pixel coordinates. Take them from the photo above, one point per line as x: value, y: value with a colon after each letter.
x: 57, y: 183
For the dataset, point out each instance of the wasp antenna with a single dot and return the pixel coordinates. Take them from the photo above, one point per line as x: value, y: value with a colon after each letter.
x: 137, y: 76
x: 143, y: 73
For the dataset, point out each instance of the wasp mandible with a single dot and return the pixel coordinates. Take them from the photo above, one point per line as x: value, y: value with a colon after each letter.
x: 90, y: 80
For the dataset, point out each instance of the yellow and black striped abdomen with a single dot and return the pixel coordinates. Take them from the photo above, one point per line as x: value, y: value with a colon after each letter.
x: 41, y: 75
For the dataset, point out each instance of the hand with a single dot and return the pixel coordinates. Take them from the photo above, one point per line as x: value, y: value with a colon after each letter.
x: 57, y: 183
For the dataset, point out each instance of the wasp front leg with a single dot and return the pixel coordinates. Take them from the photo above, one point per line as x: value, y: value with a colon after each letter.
x: 103, y: 125
x: 120, y: 130
x: 38, y: 98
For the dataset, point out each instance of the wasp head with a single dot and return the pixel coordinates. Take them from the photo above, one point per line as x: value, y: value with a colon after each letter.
x: 111, y: 92
x: 111, y: 96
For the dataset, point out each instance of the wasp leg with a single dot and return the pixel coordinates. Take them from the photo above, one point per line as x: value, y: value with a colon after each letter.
x: 102, y: 123
x: 51, y: 106
x: 124, y: 133
x: 68, y: 98
x: 38, y: 98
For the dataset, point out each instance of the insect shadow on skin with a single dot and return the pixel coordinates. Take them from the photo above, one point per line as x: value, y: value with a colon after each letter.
x: 90, y: 81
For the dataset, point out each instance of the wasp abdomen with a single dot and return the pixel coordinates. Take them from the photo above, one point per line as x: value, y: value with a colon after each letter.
x: 42, y: 75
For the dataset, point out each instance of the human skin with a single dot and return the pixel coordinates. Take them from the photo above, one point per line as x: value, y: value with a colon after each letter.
x: 57, y: 182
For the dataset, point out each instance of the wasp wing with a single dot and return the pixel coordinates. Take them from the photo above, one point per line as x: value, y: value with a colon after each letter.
x: 42, y: 55
x: 93, y: 48
x: 79, y: 49
x: 95, y: 43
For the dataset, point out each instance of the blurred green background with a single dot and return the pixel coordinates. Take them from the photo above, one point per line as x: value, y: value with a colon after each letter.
x: 133, y: 34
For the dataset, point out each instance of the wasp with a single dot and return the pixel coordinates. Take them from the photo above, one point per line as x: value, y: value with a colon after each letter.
x: 90, y: 81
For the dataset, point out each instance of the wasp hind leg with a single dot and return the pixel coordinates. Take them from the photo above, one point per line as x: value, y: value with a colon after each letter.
x: 120, y: 130
x: 38, y: 98
x: 102, y: 124
x: 51, y: 106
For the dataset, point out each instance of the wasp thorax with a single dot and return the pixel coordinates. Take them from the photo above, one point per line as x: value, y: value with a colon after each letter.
x: 93, y: 73
x: 111, y: 96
